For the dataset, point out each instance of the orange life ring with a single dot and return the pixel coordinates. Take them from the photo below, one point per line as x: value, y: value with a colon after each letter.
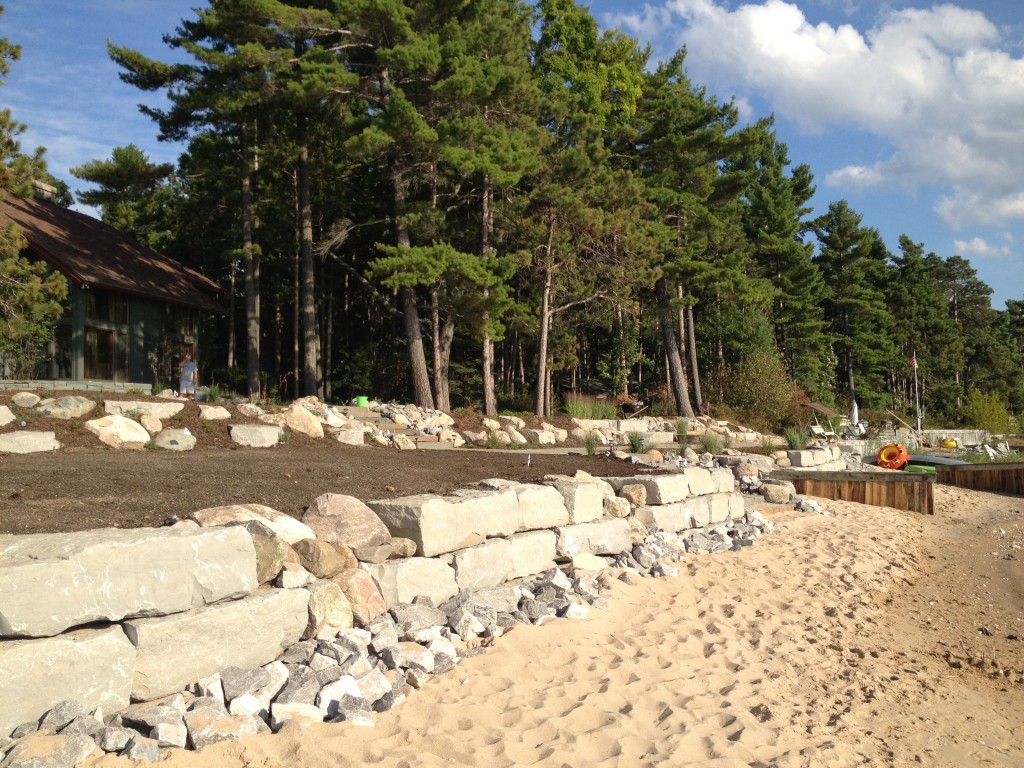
x: 892, y: 456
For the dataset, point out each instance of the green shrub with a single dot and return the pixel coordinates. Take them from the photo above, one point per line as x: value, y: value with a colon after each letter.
x: 758, y: 391
x: 134, y: 391
x: 284, y: 437
x: 590, y: 442
x: 210, y: 427
x: 987, y: 412
x: 797, y: 439
x: 682, y: 427
x: 709, y: 442
x: 637, y: 441
x: 492, y: 439
x: 767, y: 446
x: 213, y: 393
x: 150, y: 445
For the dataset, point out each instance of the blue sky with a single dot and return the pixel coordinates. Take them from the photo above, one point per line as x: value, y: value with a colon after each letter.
x: 911, y: 111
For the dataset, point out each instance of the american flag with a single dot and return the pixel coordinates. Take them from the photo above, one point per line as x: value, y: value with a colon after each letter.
x: 913, y: 362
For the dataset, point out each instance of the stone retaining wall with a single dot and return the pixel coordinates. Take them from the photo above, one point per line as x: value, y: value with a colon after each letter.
x: 111, y: 617
x: 66, y: 385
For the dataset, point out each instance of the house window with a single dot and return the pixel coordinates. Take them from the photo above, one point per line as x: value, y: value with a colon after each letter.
x: 106, y: 355
x: 105, y: 306
x: 181, y: 321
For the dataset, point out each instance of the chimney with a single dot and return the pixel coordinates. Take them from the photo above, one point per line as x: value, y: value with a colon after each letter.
x: 43, y: 191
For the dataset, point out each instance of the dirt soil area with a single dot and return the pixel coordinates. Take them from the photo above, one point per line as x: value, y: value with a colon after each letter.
x: 87, y: 485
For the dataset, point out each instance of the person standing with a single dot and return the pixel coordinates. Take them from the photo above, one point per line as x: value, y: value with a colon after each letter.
x: 189, y: 377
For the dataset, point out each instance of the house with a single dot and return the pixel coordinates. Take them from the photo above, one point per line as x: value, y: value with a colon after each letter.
x: 132, y: 312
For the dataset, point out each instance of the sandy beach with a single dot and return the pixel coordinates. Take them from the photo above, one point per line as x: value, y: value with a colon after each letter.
x: 866, y: 637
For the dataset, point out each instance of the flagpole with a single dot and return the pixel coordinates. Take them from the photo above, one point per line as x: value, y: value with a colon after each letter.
x: 917, y: 397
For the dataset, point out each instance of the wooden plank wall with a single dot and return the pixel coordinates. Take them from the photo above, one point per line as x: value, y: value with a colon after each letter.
x: 912, y: 492
x: 997, y: 478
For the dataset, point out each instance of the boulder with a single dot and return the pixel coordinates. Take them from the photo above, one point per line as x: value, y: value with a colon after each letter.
x: 402, y: 547
x: 319, y: 558
x: 91, y: 666
x: 270, y: 549
x: 67, y: 407
x: 119, y: 432
x: 540, y: 436
x: 363, y: 595
x: 329, y: 611
x: 28, y: 442
x: 634, y: 493
x: 206, y: 727
x: 341, y: 519
x: 26, y: 399
x: 53, y: 581
x: 142, y: 408
x: 173, y: 651
x: 151, y: 424
x: 439, y: 525
x: 615, y: 506
x: 350, y: 437
x: 255, y: 435
x: 298, y: 419
x: 6, y: 416
x: 46, y: 749
x: 214, y: 413
x: 775, y: 494
x: 285, y: 526
x: 175, y: 440
x: 401, y: 581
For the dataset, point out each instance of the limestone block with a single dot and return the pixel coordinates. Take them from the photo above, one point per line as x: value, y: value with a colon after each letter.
x: 175, y: 440
x: 821, y: 456
x: 399, y: 581
x: 722, y: 480
x: 341, y: 519
x: 485, y: 565
x: 584, y: 500
x: 584, y: 561
x: 93, y: 667
x: 6, y: 416
x: 285, y: 526
x: 67, y: 407
x: 631, y: 425
x: 801, y: 458
x: 157, y: 410
x: 531, y: 552
x: 665, y: 489
x: 28, y: 442
x: 718, y: 507
x: 119, y: 432
x: 26, y: 399
x: 603, y: 537
x: 206, y: 727
x: 255, y: 435
x: 699, y: 481
x: 329, y: 611
x: 214, y: 413
x: 439, y: 525
x: 53, y: 581
x: 540, y: 506
x: 674, y: 517
x: 700, y: 511
x: 363, y: 595
x: 540, y: 436
x: 659, y: 437
x: 173, y: 651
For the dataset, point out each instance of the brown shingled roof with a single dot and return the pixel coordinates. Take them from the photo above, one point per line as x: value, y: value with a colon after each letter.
x: 95, y: 254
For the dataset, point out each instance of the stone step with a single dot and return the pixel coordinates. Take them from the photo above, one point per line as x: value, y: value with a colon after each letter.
x: 357, y: 412
x: 438, y: 445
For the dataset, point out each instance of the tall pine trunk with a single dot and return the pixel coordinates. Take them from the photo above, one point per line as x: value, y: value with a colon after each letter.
x: 541, y: 403
x: 252, y: 275
x: 487, y: 225
x: 668, y: 335
x: 422, y: 395
x: 694, y: 369
x: 310, y: 346
x: 444, y: 332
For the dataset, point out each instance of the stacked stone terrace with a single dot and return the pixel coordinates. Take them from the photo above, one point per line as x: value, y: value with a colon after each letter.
x: 104, y: 625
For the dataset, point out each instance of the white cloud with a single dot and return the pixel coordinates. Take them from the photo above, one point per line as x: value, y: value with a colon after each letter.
x: 937, y: 84
x: 979, y: 247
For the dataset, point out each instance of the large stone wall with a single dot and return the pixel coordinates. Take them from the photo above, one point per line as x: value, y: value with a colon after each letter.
x: 112, y: 617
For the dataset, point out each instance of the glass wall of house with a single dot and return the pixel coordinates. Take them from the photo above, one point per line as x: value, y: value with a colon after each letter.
x: 106, y: 335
